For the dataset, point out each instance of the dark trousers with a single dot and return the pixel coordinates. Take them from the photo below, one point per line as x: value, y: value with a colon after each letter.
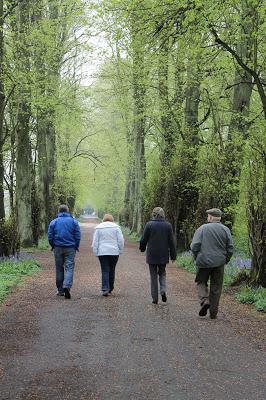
x: 157, y: 271
x: 216, y: 276
x: 108, y: 264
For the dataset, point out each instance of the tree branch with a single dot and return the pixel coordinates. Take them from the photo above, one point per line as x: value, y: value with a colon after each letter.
x: 240, y: 62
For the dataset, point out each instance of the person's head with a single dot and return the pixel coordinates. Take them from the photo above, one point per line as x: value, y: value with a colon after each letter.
x: 214, y: 215
x: 108, y: 217
x: 63, y: 208
x: 158, y: 212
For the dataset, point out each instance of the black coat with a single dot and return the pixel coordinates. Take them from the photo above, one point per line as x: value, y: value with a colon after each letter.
x: 159, y: 238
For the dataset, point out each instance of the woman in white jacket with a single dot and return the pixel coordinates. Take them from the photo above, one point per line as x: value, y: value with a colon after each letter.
x: 107, y: 244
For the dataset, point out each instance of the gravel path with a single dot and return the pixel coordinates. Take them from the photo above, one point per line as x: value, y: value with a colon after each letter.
x: 123, y: 347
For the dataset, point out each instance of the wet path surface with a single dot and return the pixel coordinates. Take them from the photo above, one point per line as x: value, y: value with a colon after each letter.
x: 122, y: 346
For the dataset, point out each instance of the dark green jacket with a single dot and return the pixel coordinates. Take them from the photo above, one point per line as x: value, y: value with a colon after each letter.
x: 212, y: 245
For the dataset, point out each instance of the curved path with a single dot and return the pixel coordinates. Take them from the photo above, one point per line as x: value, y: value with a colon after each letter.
x: 123, y: 347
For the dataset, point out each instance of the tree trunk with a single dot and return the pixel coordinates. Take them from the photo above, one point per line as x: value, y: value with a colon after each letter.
x: 165, y: 187
x: 51, y: 162
x: 23, y: 175
x: 138, y: 122
x: 238, y: 128
x: 23, y: 154
x: 257, y: 226
x: 187, y: 189
x: 43, y: 179
x: 2, y: 107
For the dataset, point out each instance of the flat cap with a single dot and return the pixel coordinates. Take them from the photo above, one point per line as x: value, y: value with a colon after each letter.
x: 215, y: 212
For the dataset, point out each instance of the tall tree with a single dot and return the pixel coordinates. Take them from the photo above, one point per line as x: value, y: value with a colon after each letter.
x: 23, y: 154
x: 2, y: 107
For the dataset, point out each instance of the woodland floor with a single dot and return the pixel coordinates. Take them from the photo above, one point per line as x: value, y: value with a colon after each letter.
x: 122, y: 346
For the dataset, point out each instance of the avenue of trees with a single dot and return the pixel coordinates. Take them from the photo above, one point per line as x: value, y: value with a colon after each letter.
x: 176, y: 117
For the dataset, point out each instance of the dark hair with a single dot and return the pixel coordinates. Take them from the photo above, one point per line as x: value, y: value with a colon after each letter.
x: 63, y: 208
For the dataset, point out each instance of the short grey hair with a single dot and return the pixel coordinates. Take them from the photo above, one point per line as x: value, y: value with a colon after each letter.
x: 158, y: 212
x: 63, y: 208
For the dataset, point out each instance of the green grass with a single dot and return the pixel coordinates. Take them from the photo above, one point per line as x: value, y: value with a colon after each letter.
x: 186, y: 262
x: 12, y: 273
x: 43, y: 243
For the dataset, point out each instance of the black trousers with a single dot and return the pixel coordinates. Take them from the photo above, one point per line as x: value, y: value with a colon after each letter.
x: 108, y: 264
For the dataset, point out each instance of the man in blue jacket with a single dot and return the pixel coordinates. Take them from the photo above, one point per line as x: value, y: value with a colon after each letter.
x: 64, y: 238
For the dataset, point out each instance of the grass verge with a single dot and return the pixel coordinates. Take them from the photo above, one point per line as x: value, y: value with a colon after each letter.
x: 12, y: 273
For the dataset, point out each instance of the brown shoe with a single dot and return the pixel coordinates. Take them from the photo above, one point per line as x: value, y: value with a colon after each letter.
x: 205, y: 305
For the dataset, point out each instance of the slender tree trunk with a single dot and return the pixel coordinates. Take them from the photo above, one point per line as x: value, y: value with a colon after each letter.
x: 257, y: 223
x: 43, y: 179
x: 2, y: 106
x: 51, y: 163
x: 165, y: 187
x: 139, y: 123
x: 168, y: 148
x: 238, y: 128
x: 187, y: 195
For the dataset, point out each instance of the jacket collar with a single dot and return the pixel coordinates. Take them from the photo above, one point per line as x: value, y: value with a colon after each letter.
x: 106, y: 224
x: 64, y: 214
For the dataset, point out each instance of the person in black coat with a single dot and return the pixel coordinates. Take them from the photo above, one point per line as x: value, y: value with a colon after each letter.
x: 158, y: 237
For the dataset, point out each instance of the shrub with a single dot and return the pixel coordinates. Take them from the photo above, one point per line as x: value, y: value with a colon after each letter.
x: 260, y: 299
x: 9, y: 238
x: 257, y: 297
x: 260, y: 305
x: 246, y: 296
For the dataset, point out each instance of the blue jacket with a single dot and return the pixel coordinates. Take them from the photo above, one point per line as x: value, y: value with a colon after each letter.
x: 64, y: 231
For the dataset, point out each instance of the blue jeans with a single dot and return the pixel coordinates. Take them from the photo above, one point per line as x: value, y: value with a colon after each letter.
x: 108, y: 264
x: 64, y: 262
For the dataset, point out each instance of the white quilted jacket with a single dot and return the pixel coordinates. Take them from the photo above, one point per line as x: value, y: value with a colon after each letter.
x: 108, y: 239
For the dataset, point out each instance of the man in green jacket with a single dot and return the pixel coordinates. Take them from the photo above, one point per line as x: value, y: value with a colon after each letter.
x: 212, y: 247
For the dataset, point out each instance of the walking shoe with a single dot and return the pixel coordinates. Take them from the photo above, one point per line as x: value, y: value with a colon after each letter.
x: 105, y: 293
x: 204, y: 308
x: 164, y: 298
x: 154, y: 301
x: 60, y: 293
x: 213, y: 316
x: 67, y: 293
